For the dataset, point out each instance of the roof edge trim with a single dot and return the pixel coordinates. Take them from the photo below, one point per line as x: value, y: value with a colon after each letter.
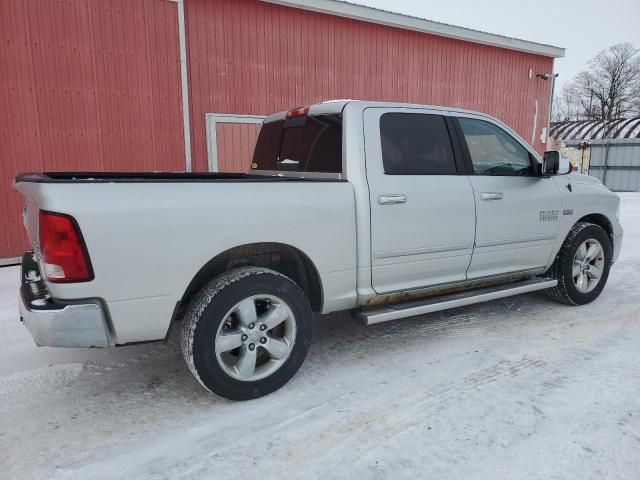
x: 398, y: 20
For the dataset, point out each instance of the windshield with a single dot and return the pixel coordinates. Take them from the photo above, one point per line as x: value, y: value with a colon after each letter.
x: 300, y: 144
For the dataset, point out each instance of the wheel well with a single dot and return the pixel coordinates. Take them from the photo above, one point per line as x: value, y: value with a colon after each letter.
x: 602, y: 221
x: 282, y: 258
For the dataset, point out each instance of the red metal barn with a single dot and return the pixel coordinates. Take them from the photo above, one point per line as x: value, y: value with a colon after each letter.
x: 183, y: 84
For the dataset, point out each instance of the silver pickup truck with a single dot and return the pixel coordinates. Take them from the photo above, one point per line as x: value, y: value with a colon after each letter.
x: 386, y: 210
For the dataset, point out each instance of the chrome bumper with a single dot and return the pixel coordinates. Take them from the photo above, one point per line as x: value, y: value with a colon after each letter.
x: 53, y: 324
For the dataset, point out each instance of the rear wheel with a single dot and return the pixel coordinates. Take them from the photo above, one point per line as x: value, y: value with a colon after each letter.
x: 582, y: 265
x: 247, y: 333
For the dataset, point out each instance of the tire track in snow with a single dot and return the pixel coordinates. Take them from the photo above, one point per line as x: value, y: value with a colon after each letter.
x: 409, y: 411
x: 342, y: 434
x: 376, y: 423
x: 39, y: 378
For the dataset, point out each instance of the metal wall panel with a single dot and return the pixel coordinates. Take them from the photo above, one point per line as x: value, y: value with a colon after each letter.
x: 85, y: 85
x: 616, y: 163
x: 250, y: 57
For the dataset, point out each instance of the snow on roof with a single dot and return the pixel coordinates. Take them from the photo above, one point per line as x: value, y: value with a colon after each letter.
x: 384, y: 17
x: 596, y: 129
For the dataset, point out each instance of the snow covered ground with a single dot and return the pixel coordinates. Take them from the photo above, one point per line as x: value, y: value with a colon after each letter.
x: 511, y: 389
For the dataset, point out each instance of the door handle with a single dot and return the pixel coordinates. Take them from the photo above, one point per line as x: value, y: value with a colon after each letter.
x: 491, y: 195
x: 392, y: 199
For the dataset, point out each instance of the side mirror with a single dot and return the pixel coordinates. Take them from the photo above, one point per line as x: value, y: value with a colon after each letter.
x: 554, y: 164
x: 551, y: 162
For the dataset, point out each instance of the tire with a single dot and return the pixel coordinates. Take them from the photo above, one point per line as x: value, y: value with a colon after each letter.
x: 567, y: 291
x: 218, y: 313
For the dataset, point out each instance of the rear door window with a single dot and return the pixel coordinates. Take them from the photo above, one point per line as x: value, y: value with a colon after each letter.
x: 416, y: 144
x: 300, y: 144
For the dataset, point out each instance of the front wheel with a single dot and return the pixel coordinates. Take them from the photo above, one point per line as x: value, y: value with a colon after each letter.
x: 246, y: 333
x: 582, y: 265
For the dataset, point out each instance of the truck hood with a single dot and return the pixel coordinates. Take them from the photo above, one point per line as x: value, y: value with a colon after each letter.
x: 579, y: 178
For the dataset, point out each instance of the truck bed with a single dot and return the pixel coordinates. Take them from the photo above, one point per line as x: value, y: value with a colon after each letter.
x: 157, y: 177
x: 149, y: 234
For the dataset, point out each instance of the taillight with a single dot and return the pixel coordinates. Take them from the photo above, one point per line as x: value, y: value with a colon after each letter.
x: 298, y: 112
x: 62, y: 249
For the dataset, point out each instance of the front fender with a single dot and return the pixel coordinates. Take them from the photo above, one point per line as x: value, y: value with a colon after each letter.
x: 587, y: 197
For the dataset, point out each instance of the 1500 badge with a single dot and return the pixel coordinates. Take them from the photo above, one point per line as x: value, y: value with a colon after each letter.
x: 549, y: 215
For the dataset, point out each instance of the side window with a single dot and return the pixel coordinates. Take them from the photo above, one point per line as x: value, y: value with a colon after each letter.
x: 493, y: 151
x: 416, y: 144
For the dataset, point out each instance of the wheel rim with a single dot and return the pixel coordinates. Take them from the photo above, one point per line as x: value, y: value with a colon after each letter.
x: 255, y: 338
x: 588, y: 265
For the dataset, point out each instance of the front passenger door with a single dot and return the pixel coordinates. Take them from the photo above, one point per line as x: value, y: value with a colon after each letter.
x: 518, y: 212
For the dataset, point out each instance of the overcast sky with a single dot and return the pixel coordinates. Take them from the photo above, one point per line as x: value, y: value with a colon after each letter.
x: 583, y: 27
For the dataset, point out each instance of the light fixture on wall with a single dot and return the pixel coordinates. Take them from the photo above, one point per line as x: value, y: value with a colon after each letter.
x: 547, y: 76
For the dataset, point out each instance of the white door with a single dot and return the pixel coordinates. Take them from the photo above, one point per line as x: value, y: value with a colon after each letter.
x: 518, y: 212
x: 422, y: 207
x: 231, y: 140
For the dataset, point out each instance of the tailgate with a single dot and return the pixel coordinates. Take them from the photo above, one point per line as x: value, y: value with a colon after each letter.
x: 29, y: 191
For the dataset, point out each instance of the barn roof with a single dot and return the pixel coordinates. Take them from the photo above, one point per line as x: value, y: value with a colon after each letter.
x: 594, y: 129
x: 383, y: 17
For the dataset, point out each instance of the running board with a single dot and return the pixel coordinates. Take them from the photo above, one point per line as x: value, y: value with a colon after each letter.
x: 374, y: 315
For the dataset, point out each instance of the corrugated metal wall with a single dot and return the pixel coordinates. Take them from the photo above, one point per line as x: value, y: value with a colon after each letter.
x: 249, y: 57
x: 616, y: 163
x: 85, y: 85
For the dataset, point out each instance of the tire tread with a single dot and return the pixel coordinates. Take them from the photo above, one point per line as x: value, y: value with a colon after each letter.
x: 560, y: 292
x: 202, y: 299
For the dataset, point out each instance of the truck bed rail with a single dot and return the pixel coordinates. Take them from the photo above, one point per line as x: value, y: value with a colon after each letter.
x: 156, y: 177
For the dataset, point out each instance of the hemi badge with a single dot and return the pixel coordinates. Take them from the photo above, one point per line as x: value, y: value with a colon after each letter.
x: 568, y: 212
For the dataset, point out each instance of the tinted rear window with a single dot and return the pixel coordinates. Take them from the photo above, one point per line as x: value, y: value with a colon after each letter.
x: 301, y: 144
x: 416, y: 144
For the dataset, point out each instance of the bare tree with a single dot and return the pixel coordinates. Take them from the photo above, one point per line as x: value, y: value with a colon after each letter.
x: 566, y: 105
x: 635, y: 102
x: 610, y: 88
x: 557, y: 113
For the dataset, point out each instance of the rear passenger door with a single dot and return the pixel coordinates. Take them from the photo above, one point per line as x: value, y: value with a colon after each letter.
x: 422, y: 206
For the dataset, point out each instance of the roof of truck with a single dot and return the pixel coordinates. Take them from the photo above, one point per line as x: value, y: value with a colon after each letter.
x: 337, y: 106
x: 330, y: 107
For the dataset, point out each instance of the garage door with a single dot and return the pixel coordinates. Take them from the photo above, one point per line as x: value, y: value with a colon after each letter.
x: 231, y: 140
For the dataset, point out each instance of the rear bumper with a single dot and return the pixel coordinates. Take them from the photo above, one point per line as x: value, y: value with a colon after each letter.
x: 56, y: 324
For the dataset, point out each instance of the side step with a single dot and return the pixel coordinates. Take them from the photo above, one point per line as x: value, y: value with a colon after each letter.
x: 434, y: 304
